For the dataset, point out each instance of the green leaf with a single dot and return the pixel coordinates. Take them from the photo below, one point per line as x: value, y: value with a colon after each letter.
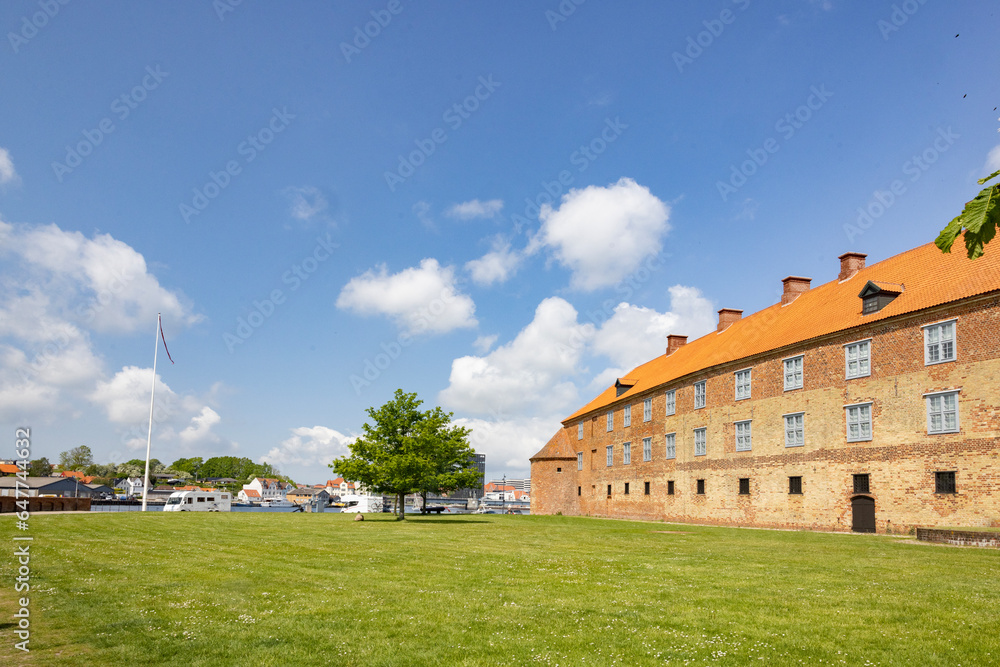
x: 980, y: 219
x: 990, y: 177
x: 947, y: 237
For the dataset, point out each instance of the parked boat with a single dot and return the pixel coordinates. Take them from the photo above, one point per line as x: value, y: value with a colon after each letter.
x: 276, y: 502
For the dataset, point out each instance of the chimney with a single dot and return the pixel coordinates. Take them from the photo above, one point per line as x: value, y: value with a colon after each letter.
x: 675, y: 342
x: 726, y: 317
x: 851, y: 263
x: 794, y: 286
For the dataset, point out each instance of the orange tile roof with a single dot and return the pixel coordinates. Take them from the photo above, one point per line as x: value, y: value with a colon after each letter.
x: 8, y: 467
x: 251, y: 493
x: 558, y: 447
x: 928, y: 278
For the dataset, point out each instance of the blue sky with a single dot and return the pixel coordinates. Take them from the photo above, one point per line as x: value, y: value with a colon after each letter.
x: 499, y: 206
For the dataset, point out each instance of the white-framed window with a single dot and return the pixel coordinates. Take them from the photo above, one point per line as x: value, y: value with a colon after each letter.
x: 671, y: 402
x: 671, y: 445
x: 793, y: 373
x: 611, y: 455
x: 743, y: 436
x: 795, y: 432
x: 859, y: 422
x: 700, y: 442
x: 742, y: 384
x: 857, y: 359
x: 579, y: 460
x: 939, y: 343
x: 942, y: 412
x: 579, y: 431
x: 627, y: 416
x: 647, y: 449
x: 647, y: 409
x: 699, y: 394
x: 627, y: 453
x: 611, y: 420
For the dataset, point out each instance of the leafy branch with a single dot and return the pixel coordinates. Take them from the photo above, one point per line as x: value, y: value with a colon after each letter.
x: 979, y: 219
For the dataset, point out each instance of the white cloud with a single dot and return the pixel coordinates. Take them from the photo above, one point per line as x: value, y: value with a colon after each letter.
x: 306, y: 202
x: 470, y: 210
x: 526, y: 373
x: 318, y: 445
x: 495, y: 266
x: 418, y: 299
x: 423, y: 212
x: 482, y: 344
x: 508, y: 443
x: 634, y: 335
x: 993, y: 160
x: 7, y: 172
x: 602, y: 233
x: 201, y: 425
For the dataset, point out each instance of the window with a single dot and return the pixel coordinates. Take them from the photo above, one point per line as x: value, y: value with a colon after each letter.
x: 701, y: 487
x: 699, y: 394
x: 795, y: 486
x: 944, y: 482
x: 670, y: 487
x: 793, y: 373
x: 744, y: 486
x: 942, y: 412
x: 742, y: 384
x: 579, y: 431
x: 939, y: 343
x: 627, y: 453
x: 859, y: 422
x: 699, y: 442
x: 627, y: 416
x: 611, y: 454
x: 647, y: 449
x: 861, y: 483
x: 671, y: 402
x: 611, y: 420
x: 795, y: 430
x: 671, y: 445
x: 609, y: 490
x: 558, y: 469
x: 626, y: 488
x: 743, y: 436
x: 645, y: 490
x: 857, y: 359
x: 579, y: 490
x: 647, y: 409
x: 579, y: 460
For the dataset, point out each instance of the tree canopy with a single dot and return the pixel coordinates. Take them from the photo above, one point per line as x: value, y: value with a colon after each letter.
x: 979, y: 219
x: 40, y: 467
x: 405, y: 450
x: 77, y: 458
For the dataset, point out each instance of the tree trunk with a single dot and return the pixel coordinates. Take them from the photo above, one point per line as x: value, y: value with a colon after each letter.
x: 401, y: 504
x: 423, y: 508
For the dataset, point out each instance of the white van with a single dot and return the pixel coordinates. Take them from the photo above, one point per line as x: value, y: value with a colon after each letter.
x: 199, y: 501
x: 362, y: 504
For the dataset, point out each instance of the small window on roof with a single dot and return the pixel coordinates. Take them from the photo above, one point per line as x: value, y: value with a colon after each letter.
x: 877, y: 295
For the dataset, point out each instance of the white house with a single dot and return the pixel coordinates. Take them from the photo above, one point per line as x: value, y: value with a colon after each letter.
x: 341, y: 487
x: 268, y: 489
x: 132, y: 486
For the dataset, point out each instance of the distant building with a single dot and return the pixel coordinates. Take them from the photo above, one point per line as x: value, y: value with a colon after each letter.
x: 308, y: 494
x: 519, y: 484
x: 269, y: 489
x: 479, y: 463
x: 43, y: 486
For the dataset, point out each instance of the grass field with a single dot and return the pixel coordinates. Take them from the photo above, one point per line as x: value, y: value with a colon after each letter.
x: 320, y: 589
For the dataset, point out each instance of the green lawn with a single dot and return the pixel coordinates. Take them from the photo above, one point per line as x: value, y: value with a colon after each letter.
x: 319, y: 589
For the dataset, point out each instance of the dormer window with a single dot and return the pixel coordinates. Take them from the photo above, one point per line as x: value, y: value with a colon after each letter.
x: 877, y: 295
x: 622, y: 385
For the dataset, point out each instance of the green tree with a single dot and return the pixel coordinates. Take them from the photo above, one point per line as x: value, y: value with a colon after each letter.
x: 190, y: 466
x: 979, y: 219
x: 405, y: 451
x: 40, y: 468
x: 77, y: 458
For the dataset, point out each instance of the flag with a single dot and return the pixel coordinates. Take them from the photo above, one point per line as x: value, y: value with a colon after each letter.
x: 164, y: 339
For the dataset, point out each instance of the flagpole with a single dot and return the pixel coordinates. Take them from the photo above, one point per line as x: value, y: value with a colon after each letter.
x: 152, y: 392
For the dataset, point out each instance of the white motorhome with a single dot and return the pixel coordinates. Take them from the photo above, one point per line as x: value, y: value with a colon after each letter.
x: 199, y: 501
x: 361, y: 504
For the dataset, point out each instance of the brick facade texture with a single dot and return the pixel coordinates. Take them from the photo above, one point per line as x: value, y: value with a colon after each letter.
x: 901, y: 458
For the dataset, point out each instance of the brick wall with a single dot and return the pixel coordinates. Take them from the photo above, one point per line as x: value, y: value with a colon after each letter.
x: 901, y: 458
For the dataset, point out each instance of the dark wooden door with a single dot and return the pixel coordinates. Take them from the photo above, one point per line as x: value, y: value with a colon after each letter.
x: 863, y: 514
